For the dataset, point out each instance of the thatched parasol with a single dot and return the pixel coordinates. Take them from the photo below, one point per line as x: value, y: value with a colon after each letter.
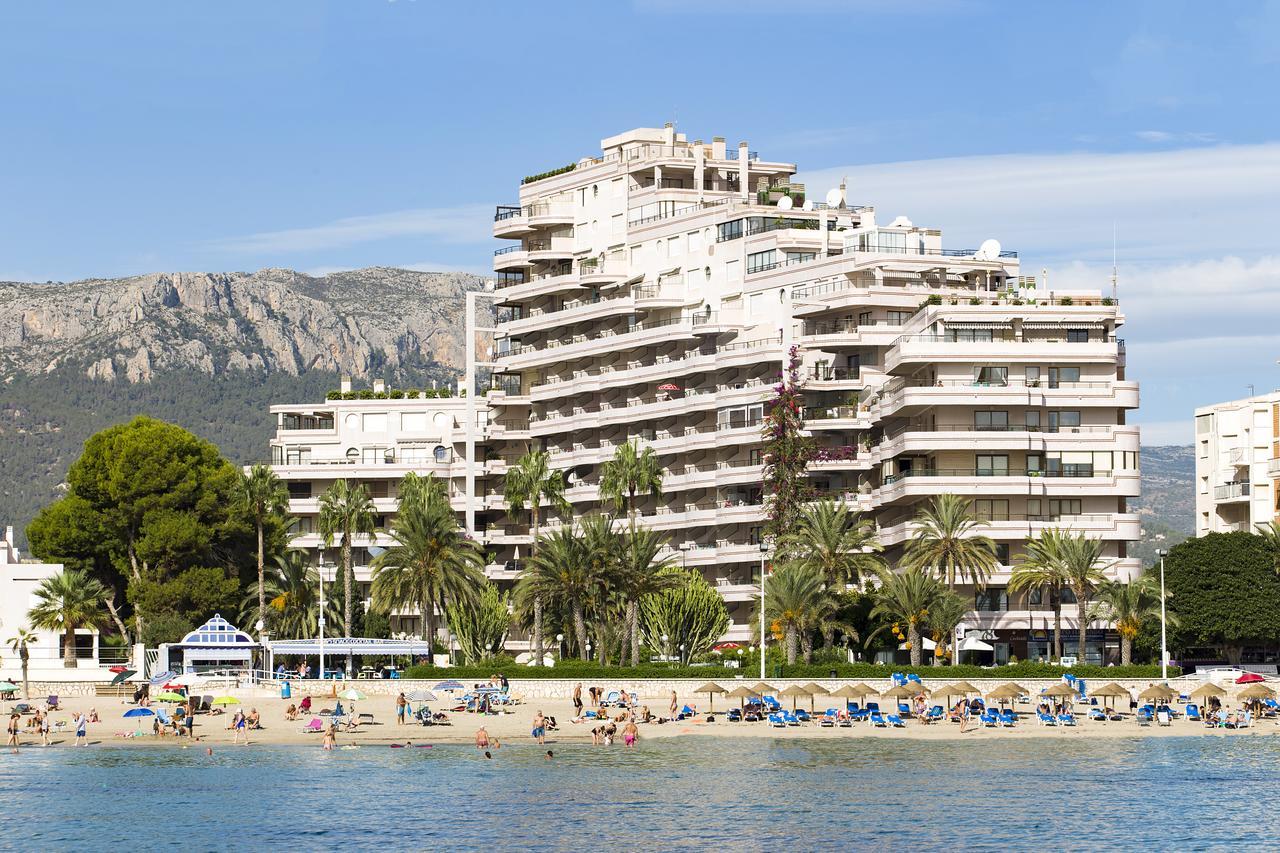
x: 711, y: 689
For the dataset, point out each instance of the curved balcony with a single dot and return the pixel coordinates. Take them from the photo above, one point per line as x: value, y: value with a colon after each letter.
x: 848, y: 334
x: 511, y: 258
x: 571, y: 311
x: 911, y: 350
x: 1073, y: 482
x: 1125, y: 527
x: 914, y: 439
x: 651, y: 297
x: 511, y: 221
x: 822, y: 418
x: 550, y: 249
x: 825, y: 378
x: 716, y: 322
x: 899, y: 397
x: 595, y: 272
x: 582, y: 346
x: 539, y: 285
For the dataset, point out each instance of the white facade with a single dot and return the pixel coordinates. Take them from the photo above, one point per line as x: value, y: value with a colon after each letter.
x: 19, y: 579
x: 653, y: 294
x: 1237, y: 463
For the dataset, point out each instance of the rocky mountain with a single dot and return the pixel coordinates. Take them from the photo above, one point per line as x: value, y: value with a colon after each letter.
x: 1168, y: 503
x: 211, y: 351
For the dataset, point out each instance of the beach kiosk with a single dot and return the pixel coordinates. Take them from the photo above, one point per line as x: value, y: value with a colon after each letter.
x: 217, y: 644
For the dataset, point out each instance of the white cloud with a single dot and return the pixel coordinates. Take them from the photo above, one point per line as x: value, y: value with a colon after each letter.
x: 1162, y: 137
x: 1158, y: 433
x: 465, y: 224
x: 1167, y: 205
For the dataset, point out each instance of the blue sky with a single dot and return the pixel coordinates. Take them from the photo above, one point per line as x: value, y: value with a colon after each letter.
x: 238, y: 135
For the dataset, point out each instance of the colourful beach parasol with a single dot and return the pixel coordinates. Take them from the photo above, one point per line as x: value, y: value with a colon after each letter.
x: 170, y: 696
x: 225, y: 700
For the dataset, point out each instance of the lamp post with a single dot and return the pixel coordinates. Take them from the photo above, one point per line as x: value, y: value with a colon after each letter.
x: 684, y: 551
x: 764, y: 551
x: 560, y: 645
x: 1164, y: 639
x: 320, y: 620
x: 666, y: 648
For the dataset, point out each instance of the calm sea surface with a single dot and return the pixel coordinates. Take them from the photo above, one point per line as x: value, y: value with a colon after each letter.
x: 1157, y: 793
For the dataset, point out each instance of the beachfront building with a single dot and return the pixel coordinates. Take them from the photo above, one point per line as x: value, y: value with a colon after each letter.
x: 19, y: 578
x: 374, y: 437
x: 652, y: 294
x: 1238, y: 464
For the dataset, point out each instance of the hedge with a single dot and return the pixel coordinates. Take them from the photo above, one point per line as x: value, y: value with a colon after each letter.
x: 861, y: 671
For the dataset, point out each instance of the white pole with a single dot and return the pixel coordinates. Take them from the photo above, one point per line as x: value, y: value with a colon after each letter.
x: 763, y: 554
x: 1164, y: 642
x: 320, y: 573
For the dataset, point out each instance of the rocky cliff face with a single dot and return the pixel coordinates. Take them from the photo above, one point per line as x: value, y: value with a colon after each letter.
x: 367, y: 322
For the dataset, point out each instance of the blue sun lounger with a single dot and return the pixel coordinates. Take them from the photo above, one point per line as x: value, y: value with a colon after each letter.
x: 1046, y: 719
x: 896, y: 721
x: 877, y: 720
x: 776, y: 720
x: 1066, y: 720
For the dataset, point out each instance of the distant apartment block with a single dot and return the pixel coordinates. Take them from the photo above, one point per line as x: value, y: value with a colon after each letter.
x: 1237, y: 464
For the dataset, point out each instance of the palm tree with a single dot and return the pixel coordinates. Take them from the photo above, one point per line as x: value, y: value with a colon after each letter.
x: 945, y: 542
x: 430, y: 564
x: 641, y: 572
x: 1127, y: 606
x: 20, y: 643
x: 265, y: 498
x: 1041, y: 568
x: 564, y: 574
x: 836, y: 541
x: 292, y: 593
x: 531, y: 482
x: 65, y: 602
x: 345, y: 510
x: 945, y: 616
x: 1270, y: 532
x: 631, y: 472
x: 797, y: 600
x: 906, y: 598
x: 1083, y: 569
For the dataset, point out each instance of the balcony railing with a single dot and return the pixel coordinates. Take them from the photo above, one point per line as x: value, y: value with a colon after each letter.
x: 1065, y: 471
x: 505, y: 250
x: 972, y: 427
x: 822, y: 413
x: 1230, y: 490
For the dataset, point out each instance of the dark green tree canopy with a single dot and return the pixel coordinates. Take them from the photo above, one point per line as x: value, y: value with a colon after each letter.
x: 1225, y: 591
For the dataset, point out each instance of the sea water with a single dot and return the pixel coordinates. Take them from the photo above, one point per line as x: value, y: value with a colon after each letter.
x: 689, y: 793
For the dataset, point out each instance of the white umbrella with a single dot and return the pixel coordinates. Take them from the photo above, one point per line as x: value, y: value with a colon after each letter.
x: 925, y: 643
x: 188, y: 679
x: 972, y: 644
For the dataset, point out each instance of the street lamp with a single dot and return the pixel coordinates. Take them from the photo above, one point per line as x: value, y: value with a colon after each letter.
x: 320, y: 619
x: 764, y: 551
x: 666, y: 648
x: 685, y: 547
x: 1164, y: 640
x: 560, y: 645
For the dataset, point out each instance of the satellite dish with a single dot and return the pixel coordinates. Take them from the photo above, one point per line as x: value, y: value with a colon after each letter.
x: 785, y: 203
x: 835, y: 197
x: 988, y: 251
x: 808, y: 205
x: 900, y: 222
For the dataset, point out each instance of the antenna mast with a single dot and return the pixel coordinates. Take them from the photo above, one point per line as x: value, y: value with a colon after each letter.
x: 1114, y: 288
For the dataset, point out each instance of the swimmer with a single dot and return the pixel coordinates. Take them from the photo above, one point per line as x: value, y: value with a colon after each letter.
x: 549, y: 755
x: 488, y: 754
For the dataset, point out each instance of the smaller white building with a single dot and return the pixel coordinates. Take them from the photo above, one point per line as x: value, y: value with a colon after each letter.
x: 19, y: 579
x: 1237, y: 464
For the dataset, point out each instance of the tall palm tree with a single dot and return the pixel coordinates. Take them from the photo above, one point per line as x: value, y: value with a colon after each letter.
x: 798, y: 600
x: 20, y: 644
x: 906, y: 598
x: 291, y: 589
x: 345, y: 511
x: 641, y: 572
x: 416, y: 490
x: 1127, y: 606
x: 564, y: 574
x: 64, y: 602
x: 836, y: 541
x: 1270, y: 533
x: 265, y: 498
x: 630, y: 473
x: 946, y: 541
x: 1041, y: 568
x: 531, y: 483
x: 1083, y: 569
x: 430, y: 564
x: 945, y: 615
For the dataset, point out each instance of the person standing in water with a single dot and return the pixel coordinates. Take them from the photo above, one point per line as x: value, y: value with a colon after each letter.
x: 630, y: 734
x: 539, y: 728
x: 15, y: 726
x: 330, y: 737
x: 482, y: 738
x: 401, y: 704
x: 82, y: 726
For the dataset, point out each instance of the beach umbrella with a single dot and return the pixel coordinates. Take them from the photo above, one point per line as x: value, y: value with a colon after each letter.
x: 226, y: 700
x: 795, y: 691
x: 762, y: 688
x: 1059, y: 690
x: 1207, y: 690
x: 188, y: 679
x: 860, y: 690
x: 170, y: 696
x: 1006, y: 693
x: 157, y: 680
x: 450, y: 685
x: 960, y: 688
x: 139, y: 712
x: 1158, y: 693
x: 8, y: 687
x: 815, y: 689
x: 123, y: 675
x: 1112, y: 689
x: 1250, y: 678
x: 420, y: 696
x: 901, y: 691
x: 1257, y: 691
x: 711, y: 689
x: 742, y: 693
x: 351, y: 694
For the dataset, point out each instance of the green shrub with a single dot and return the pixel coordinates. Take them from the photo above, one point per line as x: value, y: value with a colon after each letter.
x: 563, y: 169
x: 1107, y: 300
x: 397, y: 394
x: 333, y: 395
x: 365, y: 394
x: 973, y: 300
x: 413, y: 393
x: 351, y: 395
x: 1066, y: 300
x: 445, y: 392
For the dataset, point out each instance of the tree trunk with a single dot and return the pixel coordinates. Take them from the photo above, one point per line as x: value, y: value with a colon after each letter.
x: 806, y: 646
x: 537, y: 601
x: 580, y: 630
x: 790, y: 638
x: 1057, y: 624
x: 429, y: 620
x: 633, y: 630
x: 347, y: 578
x: 1082, y: 602
x: 262, y: 593
x: 26, y: 658
x: 110, y: 601
x: 69, y: 649
x: 137, y: 576
x: 913, y: 640
x: 955, y: 632
x: 1126, y: 650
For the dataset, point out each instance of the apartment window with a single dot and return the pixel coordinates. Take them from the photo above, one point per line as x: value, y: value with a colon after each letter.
x: 1033, y: 377
x: 695, y: 242
x: 991, y: 599
x: 970, y: 336
x: 1077, y: 336
x: 1063, y: 420
x: 992, y: 465
x: 377, y: 455
x: 991, y: 510
x: 733, y: 271
x: 1002, y: 553
x: 760, y: 261
x: 297, y: 455
x: 990, y: 421
x: 992, y: 376
x: 864, y: 318
x: 441, y: 453
x: 898, y: 318
x: 619, y: 188
x: 729, y: 231
x: 595, y: 190
x: 675, y: 247
x: 618, y: 224
x: 299, y: 489
x: 302, y: 526
x: 1058, y: 375
x: 1204, y: 424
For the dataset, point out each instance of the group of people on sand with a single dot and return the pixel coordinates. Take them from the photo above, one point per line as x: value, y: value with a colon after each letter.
x: 41, y: 725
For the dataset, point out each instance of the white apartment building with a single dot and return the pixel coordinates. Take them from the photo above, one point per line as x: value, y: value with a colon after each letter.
x: 1237, y: 464
x: 652, y: 294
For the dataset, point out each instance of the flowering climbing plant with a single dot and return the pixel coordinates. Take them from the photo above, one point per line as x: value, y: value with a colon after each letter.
x: 787, y: 450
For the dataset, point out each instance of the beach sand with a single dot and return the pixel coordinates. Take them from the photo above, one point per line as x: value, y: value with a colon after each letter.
x: 514, y: 727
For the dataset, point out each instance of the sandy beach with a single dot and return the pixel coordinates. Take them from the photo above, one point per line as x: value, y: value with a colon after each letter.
x: 514, y: 725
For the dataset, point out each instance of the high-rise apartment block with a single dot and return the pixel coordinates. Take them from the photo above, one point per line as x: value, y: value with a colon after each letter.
x: 653, y: 294
x: 1238, y: 464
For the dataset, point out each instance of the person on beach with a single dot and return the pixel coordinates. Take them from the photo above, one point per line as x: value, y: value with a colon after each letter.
x: 291, y: 713
x: 15, y: 726
x: 330, y: 738
x: 82, y: 727
x: 93, y: 715
x: 482, y: 738
x: 240, y: 728
x: 43, y: 722
x: 964, y: 715
x: 539, y: 728
x: 629, y: 735
x: 577, y: 701
x: 305, y: 707
x: 675, y: 704
x: 401, y: 704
